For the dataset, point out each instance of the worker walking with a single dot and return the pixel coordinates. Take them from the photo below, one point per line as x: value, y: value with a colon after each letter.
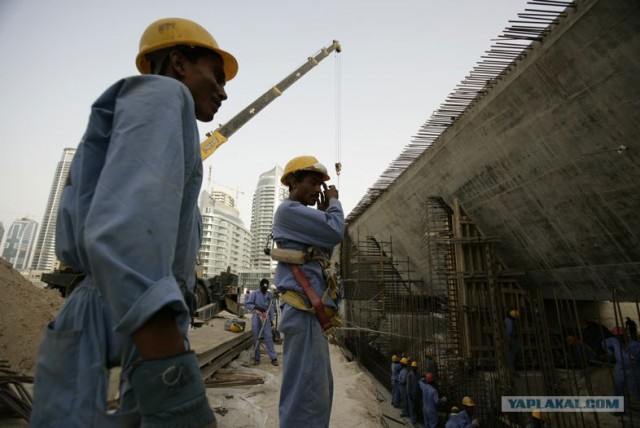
x: 395, y: 371
x: 264, y: 313
x: 309, y: 291
x: 430, y: 400
x: 129, y: 220
x: 413, y: 392
x: 513, y: 343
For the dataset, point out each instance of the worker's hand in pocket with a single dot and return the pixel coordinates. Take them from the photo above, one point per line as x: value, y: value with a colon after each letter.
x: 170, y: 391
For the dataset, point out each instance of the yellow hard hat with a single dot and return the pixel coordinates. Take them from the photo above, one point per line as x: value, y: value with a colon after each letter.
x: 537, y: 414
x: 303, y: 163
x: 235, y: 328
x: 404, y: 360
x: 168, y: 32
x: 467, y: 401
x: 455, y: 409
x: 514, y: 313
x: 394, y: 358
x: 414, y: 364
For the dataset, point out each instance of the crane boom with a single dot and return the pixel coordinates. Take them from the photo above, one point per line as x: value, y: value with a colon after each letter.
x: 219, y: 136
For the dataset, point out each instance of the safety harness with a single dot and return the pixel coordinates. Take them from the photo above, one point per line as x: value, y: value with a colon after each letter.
x: 327, y: 317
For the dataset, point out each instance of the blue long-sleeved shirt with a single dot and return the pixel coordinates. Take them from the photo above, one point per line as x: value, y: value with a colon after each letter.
x: 256, y: 298
x: 297, y: 226
x: 128, y: 214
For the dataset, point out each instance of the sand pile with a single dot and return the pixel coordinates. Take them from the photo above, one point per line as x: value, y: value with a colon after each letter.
x: 25, y: 310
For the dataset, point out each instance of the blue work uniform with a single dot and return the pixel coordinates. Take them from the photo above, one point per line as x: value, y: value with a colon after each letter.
x: 265, y: 301
x: 627, y: 367
x: 430, y: 400
x: 413, y: 391
x: 512, y: 342
x: 395, y: 392
x: 306, y: 393
x: 464, y: 420
x: 402, y: 388
x: 129, y: 220
x: 452, y: 422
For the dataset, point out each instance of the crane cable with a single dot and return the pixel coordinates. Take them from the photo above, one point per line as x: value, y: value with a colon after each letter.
x: 338, y: 124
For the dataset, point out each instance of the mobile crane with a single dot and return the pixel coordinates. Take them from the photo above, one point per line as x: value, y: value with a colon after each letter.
x: 64, y: 279
x: 220, y: 135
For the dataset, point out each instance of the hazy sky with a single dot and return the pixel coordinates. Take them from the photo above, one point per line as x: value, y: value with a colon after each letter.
x: 399, y: 62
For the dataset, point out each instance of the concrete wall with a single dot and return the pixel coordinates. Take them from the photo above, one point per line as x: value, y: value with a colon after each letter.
x: 535, y: 163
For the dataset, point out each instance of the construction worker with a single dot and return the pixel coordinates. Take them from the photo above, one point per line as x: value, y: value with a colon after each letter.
x: 465, y: 417
x: 513, y: 344
x: 537, y: 420
x: 395, y: 371
x: 626, y: 370
x: 306, y: 392
x: 264, y: 313
x: 632, y: 328
x: 430, y: 400
x: 452, y: 422
x: 402, y: 386
x: 431, y: 364
x: 413, y: 392
x: 129, y: 220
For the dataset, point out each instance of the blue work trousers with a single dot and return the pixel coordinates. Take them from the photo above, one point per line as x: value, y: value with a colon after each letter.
x: 395, y: 393
x: 306, y: 393
x: 267, y: 336
x: 404, y: 405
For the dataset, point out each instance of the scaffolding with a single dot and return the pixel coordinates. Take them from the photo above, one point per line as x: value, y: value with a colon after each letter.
x: 455, y: 315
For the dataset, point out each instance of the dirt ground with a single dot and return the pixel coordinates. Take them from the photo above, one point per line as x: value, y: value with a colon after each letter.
x: 25, y: 310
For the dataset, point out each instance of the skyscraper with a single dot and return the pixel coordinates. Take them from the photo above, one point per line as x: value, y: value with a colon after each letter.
x: 44, y: 257
x: 19, y: 242
x: 225, y: 240
x: 268, y: 195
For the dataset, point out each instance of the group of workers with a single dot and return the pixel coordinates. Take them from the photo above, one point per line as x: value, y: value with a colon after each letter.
x: 408, y: 390
x: 129, y: 220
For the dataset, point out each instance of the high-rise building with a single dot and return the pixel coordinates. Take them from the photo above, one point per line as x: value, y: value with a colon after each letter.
x: 19, y: 243
x: 1, y: 232
x: 225, y: 240
x: 44, y: 257
x: 268, y: 195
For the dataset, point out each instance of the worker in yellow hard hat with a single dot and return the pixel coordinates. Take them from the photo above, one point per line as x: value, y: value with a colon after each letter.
x: 413, y: 392
x: 465, y: 417
x: 129, y: 220
x: 452, y: 421
x: 314, y: 232
x: 513, y: 343
x: 537, y: 419
x: 402, y: 386
x: 395, y: 371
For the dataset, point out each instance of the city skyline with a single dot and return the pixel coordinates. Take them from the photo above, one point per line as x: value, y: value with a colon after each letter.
x: 360, y: 107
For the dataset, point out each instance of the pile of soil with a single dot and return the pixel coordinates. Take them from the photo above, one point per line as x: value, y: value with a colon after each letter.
x: 25, y: 311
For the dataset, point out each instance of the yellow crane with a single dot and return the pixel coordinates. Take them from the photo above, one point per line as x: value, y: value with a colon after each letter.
x: 220, y: 135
